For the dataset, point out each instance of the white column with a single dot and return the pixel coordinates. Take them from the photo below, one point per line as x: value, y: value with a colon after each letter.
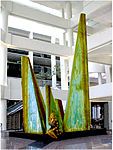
x: 0, y: 118
x: 3, y: 47
x: 31, y: 52
x: 3, y: 113
x: 108, y: 73
x: 53, y: 65
x: 68, y: 10
x: 53, y: 70
x: 70, y: 66
x: 63, y: 15
x: 64, y: 73
x: 64, y: 39
x: 31, y: 57
x: 64, y: 34
x: 0, y: 112
x: 69, y: 36
x: 64, y: 70
x: 68, y: 13
x: 3, y: 61
x: 93, y: 112
x: 99, y: 78
x: 31, y: 35
x: 98, y: 112
x: 3, y: 65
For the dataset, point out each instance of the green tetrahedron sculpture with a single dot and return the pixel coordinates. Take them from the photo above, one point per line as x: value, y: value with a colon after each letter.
x: 77, y: 113
x: 34, y: 113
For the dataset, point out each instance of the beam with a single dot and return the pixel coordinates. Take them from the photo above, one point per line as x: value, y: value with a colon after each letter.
x: 99, y: 39
x: 106, y: 60
x: 94, y: 43
x: 94, y: 6
x: 38, y: 46
x: 90, y: 9
x: 39, y: 16
x: 100, y: 47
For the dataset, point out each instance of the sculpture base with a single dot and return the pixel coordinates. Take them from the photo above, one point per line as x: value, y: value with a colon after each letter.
x: 67, y: 135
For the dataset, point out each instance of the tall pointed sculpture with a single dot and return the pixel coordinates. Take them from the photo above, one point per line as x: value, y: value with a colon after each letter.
x: 77, y: 114
x: 34, y: 114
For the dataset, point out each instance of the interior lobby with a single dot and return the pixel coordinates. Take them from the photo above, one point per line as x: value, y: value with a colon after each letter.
x: 46, y: 32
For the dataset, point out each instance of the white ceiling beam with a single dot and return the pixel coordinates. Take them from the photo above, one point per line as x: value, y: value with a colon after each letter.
x: 99, y: 39
x: 99, y: 47
x: 94, y: 43
x: 38, y: 46
x: 95, y: 6
x: 39, y: 16
x: 102, y: 59
x: 90, y: 10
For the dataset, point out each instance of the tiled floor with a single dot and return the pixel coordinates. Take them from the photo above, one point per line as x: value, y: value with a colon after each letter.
x: 91, y: 142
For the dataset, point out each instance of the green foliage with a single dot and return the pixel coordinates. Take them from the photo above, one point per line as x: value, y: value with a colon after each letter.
x: 44, y: 76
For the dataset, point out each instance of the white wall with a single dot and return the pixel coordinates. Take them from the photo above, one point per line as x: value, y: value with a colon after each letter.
x: 3, y: 113
x: 38, y: 46
x: 13, y: 90
x: 95, y: 67
x: 99, y: 91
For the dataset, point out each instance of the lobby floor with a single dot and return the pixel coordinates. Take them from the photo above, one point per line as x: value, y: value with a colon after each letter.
x: 91, y: 142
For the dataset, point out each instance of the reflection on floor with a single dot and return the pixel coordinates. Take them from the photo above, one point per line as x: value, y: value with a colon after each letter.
x: 91, y: 142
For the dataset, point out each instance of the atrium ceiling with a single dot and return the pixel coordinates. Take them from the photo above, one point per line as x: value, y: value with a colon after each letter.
x: 99, y: 19
x: 99, y: 22
x: 99, y: 13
